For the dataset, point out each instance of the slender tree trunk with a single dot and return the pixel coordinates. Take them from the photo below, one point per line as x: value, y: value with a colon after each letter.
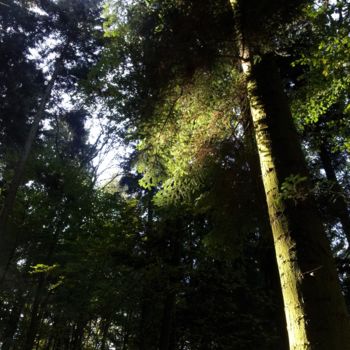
x: 18, y: 175
x: 39, y: 302
x: 10, y: 199
x: 267, y: 256
x: 11, y: 326
x: 175, y: 234
x: 57, y: 343
x: 34, y: 317
x: 10, y: 255
x: 50, y: 342
x: 77, y: 336
x: 167, y: 321
x: 339, y: 206
x: 314, y: 306
x: 144, y: 341
x: 106, y: 325
x: 126, y: 336
x: 126, y: 330
x: 11, y: 252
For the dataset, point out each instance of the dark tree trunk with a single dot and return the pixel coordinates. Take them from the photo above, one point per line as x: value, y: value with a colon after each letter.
x: 6, y: 240
x: 12, y: 324
x: 144, y: 341
x: 34, y: 317
x: 40, y: 298
x: 77, y: 336
x: 339, y: 206
x: 106, y: 325
x: 167, y: 321
x: 175, y: 234
x: 50, y: 342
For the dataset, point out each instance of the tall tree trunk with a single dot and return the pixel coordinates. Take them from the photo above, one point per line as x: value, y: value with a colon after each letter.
x: 10, y: 199
x: 315, y: 309
x: 144, y: 339
x: 77, y: 336
x: 34, y: 317
x: 39, y: 302
x: 12, y: 324
x: 339, y: 206
x: 167, y: 321
x: 126, y: 335
x: 49, y: 342
x: 105, y: 328
x: 174, y: 230
x: 314, y: 306
x: 267, y: 258
x: 11, y: 251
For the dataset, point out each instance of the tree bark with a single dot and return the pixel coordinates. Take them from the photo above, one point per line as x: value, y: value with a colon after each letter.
x: 268, y: 261
x: 314, y: 306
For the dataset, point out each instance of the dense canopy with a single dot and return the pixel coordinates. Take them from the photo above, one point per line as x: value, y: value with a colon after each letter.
x: 174, y: 175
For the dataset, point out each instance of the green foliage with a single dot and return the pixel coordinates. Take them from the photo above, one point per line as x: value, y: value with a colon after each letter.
x: 185, y: 140
x: 327, y: 65
x: 292, y: 188
x: 42, y: 268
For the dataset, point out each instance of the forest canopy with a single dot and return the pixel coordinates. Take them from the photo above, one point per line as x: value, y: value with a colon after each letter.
x: 174, y: 175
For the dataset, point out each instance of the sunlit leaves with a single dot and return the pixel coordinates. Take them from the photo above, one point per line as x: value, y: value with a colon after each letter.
x: 327, y: 65
x: 43, y: 268
x: 187, y: 132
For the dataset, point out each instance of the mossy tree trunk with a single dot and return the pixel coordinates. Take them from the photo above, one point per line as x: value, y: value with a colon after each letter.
x: 315, y: 310
x: 267, y: 256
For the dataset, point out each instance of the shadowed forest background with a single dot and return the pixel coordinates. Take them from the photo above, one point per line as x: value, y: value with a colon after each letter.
x: 174, y: 175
